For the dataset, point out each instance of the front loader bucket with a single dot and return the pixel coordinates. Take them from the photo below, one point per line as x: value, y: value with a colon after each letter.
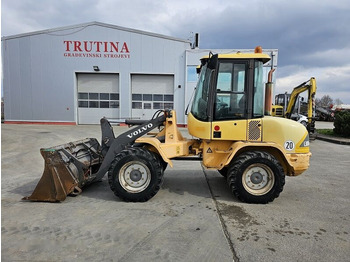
x: 68, y: 168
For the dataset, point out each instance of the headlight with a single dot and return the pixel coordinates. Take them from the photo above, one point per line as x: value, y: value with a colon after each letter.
x: 306, y: 142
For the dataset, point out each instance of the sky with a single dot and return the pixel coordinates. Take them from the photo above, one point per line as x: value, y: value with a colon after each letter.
x: 313, y: 37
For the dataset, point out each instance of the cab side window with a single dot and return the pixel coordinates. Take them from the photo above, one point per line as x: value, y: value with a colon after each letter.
x: 230, y: 91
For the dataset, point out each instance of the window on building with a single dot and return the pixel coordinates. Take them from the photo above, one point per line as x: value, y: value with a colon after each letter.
x: 137, y: 105
x: 98, y: 100
x: 147, y: 97
x: 104, y: 96
x: 147, y: 106
x: 192, y: 74
x: 152, y: 101
x: 93, y: 96
x: 137, y: 97
x: 157, y: 97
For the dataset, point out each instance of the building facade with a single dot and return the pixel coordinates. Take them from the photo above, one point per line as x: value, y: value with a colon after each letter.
x: 79, y: 74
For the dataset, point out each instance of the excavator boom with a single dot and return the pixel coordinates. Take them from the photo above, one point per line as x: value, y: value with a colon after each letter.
x: 309, y: 86
x: 285, y: 103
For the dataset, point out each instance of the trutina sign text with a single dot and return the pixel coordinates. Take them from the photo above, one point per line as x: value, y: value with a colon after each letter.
x: 96, y: 49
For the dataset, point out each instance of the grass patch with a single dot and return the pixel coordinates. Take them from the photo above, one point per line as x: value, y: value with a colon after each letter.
x: 329, y: 132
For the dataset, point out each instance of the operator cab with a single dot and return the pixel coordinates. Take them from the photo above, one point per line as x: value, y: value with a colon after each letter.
x: 230, y: 88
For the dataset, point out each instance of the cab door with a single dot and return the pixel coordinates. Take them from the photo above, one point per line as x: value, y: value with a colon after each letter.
x: 230, y: 107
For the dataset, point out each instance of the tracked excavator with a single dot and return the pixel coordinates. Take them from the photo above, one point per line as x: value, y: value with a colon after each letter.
x: 285, y: 104
x: 230, y: 131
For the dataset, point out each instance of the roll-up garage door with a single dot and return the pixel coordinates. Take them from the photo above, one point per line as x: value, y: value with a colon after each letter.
x: 98, y: 96
x: 151, y: 93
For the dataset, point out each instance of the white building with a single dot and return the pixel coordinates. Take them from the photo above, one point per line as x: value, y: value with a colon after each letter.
x: 78, y: 74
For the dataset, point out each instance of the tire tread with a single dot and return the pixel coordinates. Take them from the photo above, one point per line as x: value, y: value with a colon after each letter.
x: 234, y: 176
x: 154, y: 186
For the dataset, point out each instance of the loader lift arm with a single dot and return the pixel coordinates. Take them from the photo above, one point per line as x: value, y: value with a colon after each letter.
x: 113, y: 146
x: 71, y: 166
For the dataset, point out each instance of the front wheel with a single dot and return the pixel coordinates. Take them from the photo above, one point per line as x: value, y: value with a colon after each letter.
x: 256, y: 177
x: 135, y: 175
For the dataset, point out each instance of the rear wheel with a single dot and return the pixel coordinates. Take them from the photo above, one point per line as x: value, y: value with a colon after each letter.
x: 256, y: 177
x: 135, y: 175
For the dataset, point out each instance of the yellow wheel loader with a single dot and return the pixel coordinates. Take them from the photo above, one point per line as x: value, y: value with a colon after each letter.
x: 254, y: 152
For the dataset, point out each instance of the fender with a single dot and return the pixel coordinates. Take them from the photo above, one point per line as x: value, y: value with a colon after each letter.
x: 156, y: 144
x: 272, y: 148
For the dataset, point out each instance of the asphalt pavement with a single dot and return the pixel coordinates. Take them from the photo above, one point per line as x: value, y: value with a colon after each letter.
x: 193, y: 217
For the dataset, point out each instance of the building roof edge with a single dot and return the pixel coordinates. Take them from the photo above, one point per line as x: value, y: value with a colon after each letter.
x: 94, y: 23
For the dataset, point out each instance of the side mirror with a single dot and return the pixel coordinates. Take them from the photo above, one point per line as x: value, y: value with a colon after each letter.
x: 213, y: 61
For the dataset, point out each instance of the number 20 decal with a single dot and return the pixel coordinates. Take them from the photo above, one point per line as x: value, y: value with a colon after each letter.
x: 289, y: 145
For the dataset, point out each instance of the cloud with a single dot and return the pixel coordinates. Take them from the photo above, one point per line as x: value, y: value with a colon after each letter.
x: 312, y: 36
x: 332, y: 81
x: 330, y: 57
x: 23, y: 16
x: 296, y: 28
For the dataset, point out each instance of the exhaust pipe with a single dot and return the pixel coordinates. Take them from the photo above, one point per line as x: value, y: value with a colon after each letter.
x: 268, y: 93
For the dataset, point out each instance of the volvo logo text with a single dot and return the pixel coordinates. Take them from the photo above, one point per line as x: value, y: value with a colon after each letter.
x: 140, y: 130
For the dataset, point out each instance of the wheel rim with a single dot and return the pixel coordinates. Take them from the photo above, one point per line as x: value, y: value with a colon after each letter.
x: 258, y: 179
x: 134, y: 177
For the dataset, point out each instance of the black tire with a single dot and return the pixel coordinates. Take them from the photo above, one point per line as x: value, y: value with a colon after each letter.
x: 161, y: 161
x: 136, y: 175
x: 223, y: 171
x: 256, y: 177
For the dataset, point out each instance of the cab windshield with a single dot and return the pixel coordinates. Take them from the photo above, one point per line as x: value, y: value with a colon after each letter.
x: 200, y: 101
